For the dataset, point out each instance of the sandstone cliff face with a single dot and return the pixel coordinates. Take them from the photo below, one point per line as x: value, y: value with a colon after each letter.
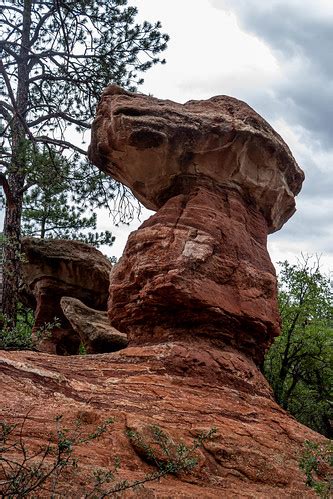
x: 182, y: 387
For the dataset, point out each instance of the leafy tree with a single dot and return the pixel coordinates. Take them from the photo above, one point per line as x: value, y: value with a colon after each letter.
x: 56, y: 57
x: 299, y: 365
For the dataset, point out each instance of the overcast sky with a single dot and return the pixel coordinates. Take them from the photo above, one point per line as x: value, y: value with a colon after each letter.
x: 277, y: 56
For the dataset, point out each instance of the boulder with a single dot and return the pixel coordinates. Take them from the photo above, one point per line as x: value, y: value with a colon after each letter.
x: 221, y: 179
x: 54, y: 268
x: 92, y: 326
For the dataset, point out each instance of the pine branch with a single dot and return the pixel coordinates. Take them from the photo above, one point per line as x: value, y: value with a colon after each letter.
x: 59, y: 114
x: 58, y: 142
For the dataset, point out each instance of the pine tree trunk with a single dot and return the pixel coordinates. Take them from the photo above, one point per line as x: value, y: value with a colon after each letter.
x: 16, y: 177
x: 12, y: 248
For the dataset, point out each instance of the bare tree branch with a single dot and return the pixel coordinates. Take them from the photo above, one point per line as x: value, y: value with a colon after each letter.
x: 62, y: 143
x: 59, y: 114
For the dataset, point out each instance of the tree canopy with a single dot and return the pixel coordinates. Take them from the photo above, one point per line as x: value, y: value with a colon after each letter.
x: 299, y: 365
x: 56, y: 58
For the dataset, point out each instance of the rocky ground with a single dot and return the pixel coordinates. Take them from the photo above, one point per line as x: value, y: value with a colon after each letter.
x: 184, y: 389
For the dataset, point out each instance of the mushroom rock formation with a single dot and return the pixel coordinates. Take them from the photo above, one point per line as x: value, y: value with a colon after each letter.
x: 55, y: 268
x: 194, y: 287
x: 221, y: 179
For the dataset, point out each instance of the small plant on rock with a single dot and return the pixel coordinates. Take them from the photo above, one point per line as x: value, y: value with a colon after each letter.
x: 46, y: 470
x: 19, y: 337
x: 317, y: 464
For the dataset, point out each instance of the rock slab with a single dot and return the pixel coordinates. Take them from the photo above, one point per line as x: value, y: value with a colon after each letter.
x: 182, y: 387
x: 93, y: 327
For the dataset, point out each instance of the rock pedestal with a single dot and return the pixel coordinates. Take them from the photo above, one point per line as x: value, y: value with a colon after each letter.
x: 198, y: 267
x: 56, y: 268
x: 220, y: 179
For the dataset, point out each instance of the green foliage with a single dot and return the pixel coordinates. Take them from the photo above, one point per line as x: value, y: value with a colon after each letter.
x: 56, y: 59
x: 62, y: 59
x: 175, y: 457
x: 53, y: 207
x: 317, y: 464
x: 299, y: 365
x: 19, y: 336
x: 24, y: 472
x: 82, y: 349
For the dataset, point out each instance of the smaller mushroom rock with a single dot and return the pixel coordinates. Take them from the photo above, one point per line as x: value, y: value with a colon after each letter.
x: 54, y: 268
x: 221, y: 179
x: 93, y: 327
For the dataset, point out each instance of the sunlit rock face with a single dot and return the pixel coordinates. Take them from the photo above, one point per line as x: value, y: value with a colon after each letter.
x: 221, y: 179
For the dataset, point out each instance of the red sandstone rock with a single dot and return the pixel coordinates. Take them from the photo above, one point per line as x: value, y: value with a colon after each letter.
x: 153, y: 146
x: 54, y: 268
x: 183, y: 388
x: 199, y: 266
x: 195, y: 287
x: 221, y: 179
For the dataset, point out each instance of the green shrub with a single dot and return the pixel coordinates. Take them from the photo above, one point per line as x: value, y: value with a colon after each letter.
x: 317, y: 464
x: 19, y: 337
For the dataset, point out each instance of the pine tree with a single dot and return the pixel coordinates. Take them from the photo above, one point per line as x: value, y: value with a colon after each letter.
x: 56, y: 57
x: 49, y: 213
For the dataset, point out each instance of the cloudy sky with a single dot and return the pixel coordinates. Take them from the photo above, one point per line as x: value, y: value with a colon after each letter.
x: 277, y: 56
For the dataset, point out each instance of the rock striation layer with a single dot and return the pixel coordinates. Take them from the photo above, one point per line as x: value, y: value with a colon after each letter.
x: 221, y: 180
x: 184, y: 389
x: 55, y: 268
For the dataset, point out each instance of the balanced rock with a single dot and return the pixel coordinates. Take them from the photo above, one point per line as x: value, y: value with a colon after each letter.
x: 93, y: 327
x: 221, y: 179
x: 54, y: 268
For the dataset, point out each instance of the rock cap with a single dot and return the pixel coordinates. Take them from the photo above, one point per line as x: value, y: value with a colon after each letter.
x: 153, y: 146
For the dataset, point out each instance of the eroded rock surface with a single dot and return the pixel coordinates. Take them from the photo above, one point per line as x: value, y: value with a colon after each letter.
x: 196, y: 292
x: 93, y: 327
x: 153, y: 145
x: 184, y: 389
x: 198, y: 267
x: 221, y: 179
x: 54, y: 268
